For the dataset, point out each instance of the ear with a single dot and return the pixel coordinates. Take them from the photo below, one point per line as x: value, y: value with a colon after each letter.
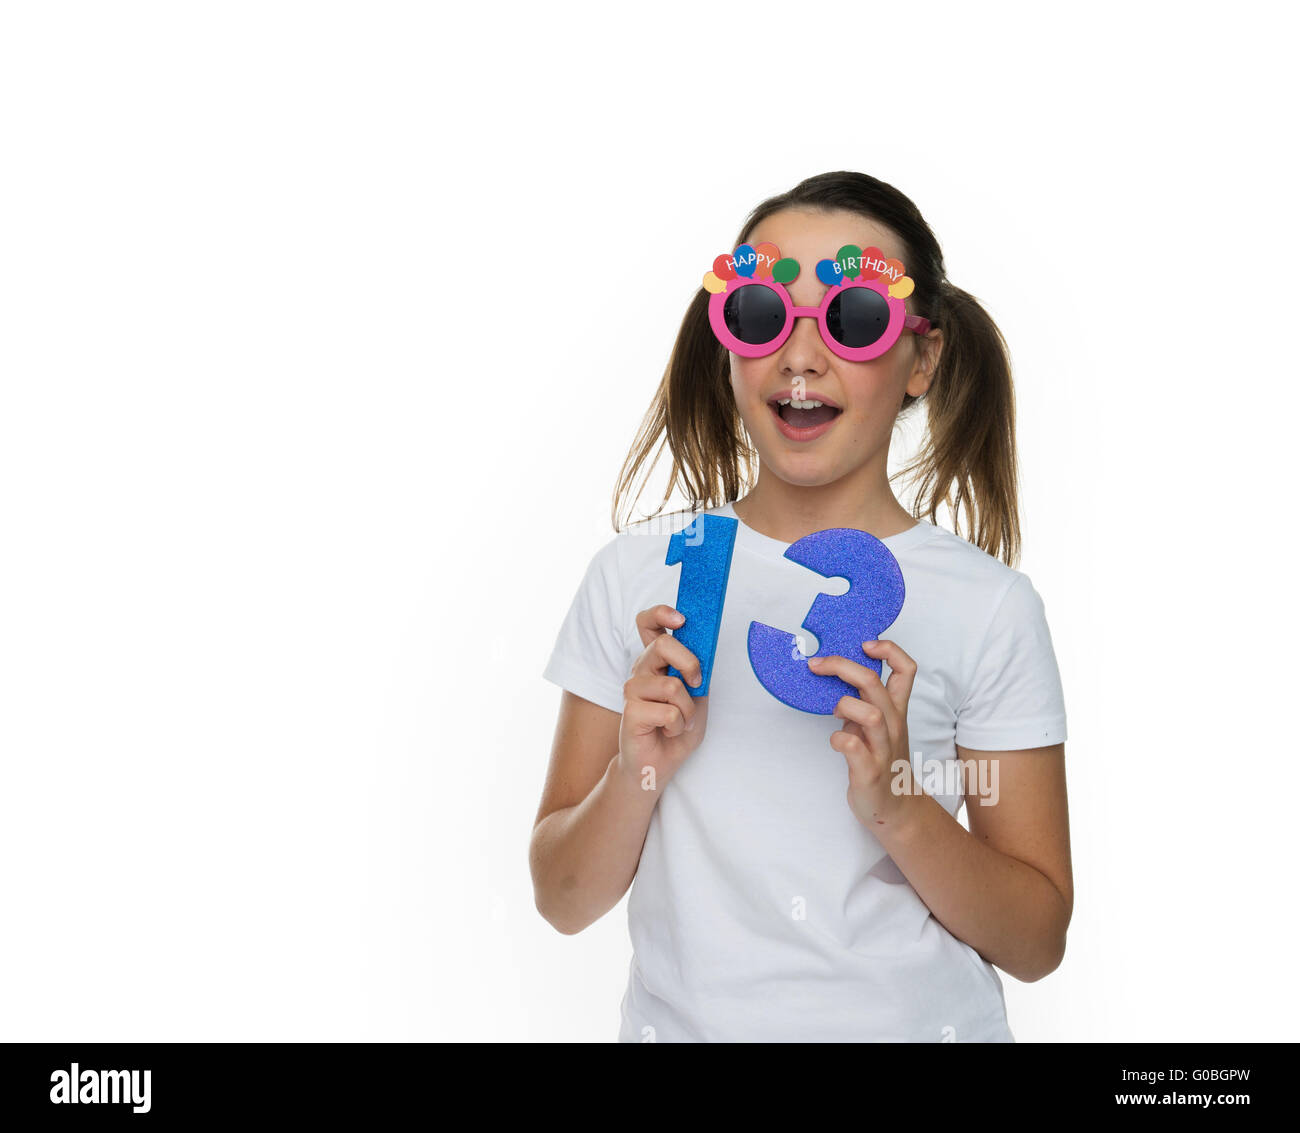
x: 928, y: 350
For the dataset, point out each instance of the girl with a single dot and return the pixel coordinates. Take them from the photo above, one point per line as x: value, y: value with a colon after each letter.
x: 802, y: 876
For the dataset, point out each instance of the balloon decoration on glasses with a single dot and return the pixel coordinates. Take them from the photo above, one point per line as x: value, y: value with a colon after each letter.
x: 860, y: 316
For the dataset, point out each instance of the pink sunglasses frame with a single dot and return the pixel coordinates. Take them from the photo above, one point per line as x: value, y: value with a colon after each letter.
x: 899, y: 320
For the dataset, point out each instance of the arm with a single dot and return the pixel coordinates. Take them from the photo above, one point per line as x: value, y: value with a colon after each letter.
x: 592, y: 821
x: 606, y: 775
x: 1005, y: 887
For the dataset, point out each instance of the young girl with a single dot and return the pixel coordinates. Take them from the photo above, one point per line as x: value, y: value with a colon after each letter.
x: 802, y: 876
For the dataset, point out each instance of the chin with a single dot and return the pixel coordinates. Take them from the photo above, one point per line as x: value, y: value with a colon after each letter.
x: 803, y: 472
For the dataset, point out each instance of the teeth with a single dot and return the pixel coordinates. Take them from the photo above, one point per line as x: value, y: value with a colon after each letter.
x: 797, y: 404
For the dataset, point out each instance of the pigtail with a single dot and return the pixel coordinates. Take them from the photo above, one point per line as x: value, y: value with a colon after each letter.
x: 694, y: 412
x: 967, y: 460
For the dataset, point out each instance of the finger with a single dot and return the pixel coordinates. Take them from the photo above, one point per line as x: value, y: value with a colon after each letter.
x: 902, y: 670
x: 854, y: 750
x: 870, y: 719
x: 680, y: 658
x: 667, y: 650
x: 866, y: 681
x: 655, y: 621
x: 665, y: 689
x: 646, y: 716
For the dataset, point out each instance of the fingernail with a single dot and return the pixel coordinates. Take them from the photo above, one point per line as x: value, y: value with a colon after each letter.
x: 678, y: 618
x: 691, y: 726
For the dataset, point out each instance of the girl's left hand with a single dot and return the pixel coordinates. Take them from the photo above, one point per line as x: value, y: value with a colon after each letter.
x: 874, y: 740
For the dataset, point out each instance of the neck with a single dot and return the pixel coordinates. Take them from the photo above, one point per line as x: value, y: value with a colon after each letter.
x: 788, y: 512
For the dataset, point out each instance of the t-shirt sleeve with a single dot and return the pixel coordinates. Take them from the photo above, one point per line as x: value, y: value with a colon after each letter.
x: 1015, y: 699
x: 589, y: 658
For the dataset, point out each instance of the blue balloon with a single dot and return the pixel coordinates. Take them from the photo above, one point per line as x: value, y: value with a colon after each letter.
x: 746, y: 261
x: 830, y: 273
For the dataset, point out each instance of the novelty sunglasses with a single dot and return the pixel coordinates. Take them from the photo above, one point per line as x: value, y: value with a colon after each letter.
x: 860, y: 316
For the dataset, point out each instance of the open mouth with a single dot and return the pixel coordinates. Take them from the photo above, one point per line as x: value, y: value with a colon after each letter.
x: 803, y: 420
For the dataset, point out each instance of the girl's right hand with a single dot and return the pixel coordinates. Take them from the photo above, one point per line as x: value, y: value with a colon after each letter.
x: 662, y: 723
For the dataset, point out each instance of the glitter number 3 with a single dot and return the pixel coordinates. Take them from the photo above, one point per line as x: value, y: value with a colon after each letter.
x: 841, y: 622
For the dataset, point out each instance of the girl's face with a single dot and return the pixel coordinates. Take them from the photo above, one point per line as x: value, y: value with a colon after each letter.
x: 861, y: 400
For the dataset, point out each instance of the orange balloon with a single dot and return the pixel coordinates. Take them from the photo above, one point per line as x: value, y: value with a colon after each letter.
x: 768, y: 254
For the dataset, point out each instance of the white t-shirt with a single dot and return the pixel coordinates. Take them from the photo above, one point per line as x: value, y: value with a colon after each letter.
x: 762, y: 909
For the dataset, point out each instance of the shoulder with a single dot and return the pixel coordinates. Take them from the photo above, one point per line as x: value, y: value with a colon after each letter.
x: 667, y: 523
x: 646, y: 539
x: 965, y: 563
x: 967, y: 586
x: 637, y: 546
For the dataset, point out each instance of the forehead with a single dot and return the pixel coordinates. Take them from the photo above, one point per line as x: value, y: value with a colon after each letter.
x: 809, y: 236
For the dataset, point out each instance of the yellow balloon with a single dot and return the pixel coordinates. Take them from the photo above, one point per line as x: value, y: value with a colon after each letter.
x: 712, y: 284
x: 903, y: 288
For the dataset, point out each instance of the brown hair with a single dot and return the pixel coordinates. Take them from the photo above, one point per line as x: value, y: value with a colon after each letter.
x: 968, y: 457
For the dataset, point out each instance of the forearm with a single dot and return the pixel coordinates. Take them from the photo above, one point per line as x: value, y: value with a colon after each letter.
x: 584, y: 857
x: 1009, y: 912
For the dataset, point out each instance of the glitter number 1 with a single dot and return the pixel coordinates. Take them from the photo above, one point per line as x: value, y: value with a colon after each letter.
x: 704, y: 549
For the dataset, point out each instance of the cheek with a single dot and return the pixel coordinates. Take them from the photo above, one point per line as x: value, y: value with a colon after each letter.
x: 746, y: 380
x: 880, y: 382
x: 866, y: 388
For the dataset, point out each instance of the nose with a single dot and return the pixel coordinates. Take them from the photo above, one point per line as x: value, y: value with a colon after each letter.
x: 804, y: 350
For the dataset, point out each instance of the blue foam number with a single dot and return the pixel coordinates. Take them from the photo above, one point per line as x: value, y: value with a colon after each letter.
x: 704, y: 549
x: 841, y: 622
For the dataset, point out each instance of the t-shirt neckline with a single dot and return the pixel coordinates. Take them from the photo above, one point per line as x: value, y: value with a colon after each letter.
x: 747, y: 536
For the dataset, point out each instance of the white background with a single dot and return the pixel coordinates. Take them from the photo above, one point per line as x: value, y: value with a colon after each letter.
x: 318, y: 368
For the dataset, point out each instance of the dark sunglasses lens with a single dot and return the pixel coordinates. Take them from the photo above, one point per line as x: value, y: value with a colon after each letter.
x: 754, y: 314
x: 857, y: 317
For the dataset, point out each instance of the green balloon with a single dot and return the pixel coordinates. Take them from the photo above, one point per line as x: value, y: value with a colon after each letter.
x: 849, y: 258
x: 783, y: 271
